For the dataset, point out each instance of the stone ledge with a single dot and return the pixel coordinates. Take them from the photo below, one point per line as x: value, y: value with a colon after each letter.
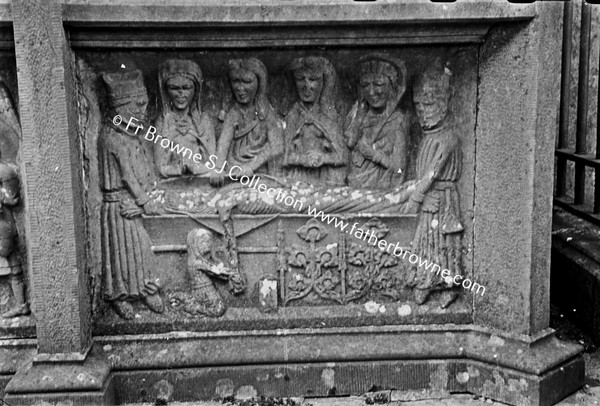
x: 575, y: 276
x: 90, y: 375
x: 187, y: 349
x: 104, y: 396
x: 289, y: 12
x: 414, y: 379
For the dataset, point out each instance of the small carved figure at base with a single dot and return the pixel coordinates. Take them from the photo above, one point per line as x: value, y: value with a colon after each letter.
x: 10, y: 265
x: 205, y: 299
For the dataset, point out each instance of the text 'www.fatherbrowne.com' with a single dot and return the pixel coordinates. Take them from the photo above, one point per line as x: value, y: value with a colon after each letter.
x: 280, y: 196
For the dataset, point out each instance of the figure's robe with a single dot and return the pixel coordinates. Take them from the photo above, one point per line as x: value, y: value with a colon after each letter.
x: 315, y: 151
x: 126, y: 181
x: 439, y: 231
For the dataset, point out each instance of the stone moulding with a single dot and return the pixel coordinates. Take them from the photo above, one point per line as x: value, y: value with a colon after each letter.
x: 402, y: 23
x: 470, y: 358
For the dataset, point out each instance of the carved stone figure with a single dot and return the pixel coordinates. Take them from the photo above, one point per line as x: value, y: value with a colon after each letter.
x: 201, y: 263
x: 182, y: 120
x: 128, y: 184
x: 251, y: 137
x: 314, y: 147
x: 10, y: 128
x: 439, y: 230
x: 10, y: 264
x: 377, y: 131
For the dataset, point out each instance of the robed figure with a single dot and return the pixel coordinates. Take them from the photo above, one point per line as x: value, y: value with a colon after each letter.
x: 182, y: 120
x: 315, y: 151
x: 439, y: 230
x: 251, y: 134
x: 127, y: 181
x: 376, y: 127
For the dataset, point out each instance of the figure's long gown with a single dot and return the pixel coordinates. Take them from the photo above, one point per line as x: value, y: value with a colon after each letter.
x: 391, y: 140
x: 439, y: 231
x: 126, y: 177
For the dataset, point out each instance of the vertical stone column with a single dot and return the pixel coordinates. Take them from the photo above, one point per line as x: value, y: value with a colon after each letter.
x: 54, y: 212
x: 514, y: 171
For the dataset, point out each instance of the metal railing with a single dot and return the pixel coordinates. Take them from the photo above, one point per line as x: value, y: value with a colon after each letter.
x: 580, y: 156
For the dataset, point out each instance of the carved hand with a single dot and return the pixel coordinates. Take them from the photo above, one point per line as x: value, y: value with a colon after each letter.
x: 216, y: 180
x: 152, y: 208
x: 366, y: 150
x: 411, y: 207
x: 247, y: 171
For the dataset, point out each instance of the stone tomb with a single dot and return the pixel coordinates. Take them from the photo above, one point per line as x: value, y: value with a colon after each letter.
x: 430, y: 127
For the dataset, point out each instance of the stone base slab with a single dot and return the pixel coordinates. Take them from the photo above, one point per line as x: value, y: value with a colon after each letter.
x: 412, y: 380
x: 52, y: 383
x: 101, y: 397
x: 415, y: 361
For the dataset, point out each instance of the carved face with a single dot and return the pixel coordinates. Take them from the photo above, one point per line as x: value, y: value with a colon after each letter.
x: 376, y: 89
x: 180, y: 91
x: 309, y: 85
x: 134, y: 107
x: 200, y: 243
x: 431, y: 104
x: 244, y: 85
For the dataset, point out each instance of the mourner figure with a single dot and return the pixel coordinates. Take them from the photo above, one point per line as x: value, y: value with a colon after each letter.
x: 182, y: 120
x: 127, y: 181
x: 10, y: 196
x: 10, y: 264
x: 439, y: 230
x: 314, y: 147
x: 251, y: 136
x: 377, y: 130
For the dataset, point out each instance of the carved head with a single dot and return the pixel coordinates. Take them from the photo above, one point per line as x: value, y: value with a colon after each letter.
x: 127, y: 94
x: 382, y: 81
x: 199, y: 243
x: 10, y: 128
x: 431, y: 92
x: 248, y: 81
x: 315, y: 80
x: 9, y: 184
x: 180, y: 84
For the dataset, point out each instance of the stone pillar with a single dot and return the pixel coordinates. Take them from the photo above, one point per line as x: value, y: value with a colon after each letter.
x: 54, y: 212
x: 515, y: 161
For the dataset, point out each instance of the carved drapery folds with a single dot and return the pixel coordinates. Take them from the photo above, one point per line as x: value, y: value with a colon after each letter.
x: 307, y: 153
x: 127, y: 183
x: 10, y: 198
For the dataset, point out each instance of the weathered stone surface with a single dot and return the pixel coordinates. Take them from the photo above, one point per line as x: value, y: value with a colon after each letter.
x: 51, y: 179
x: 348, y: 320
x: 507, y: 261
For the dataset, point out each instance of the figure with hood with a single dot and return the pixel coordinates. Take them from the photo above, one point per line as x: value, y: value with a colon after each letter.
x: 315, y: 150
x: 376, y: 128
x: 251, y: 135
x: 10, y: 261
x: 127, y: 182
x: 182, y: 120
x: 439, y: 230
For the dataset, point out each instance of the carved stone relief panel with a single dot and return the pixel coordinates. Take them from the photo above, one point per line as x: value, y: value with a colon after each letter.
x: 14, y: 303
x: 290, y: 146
